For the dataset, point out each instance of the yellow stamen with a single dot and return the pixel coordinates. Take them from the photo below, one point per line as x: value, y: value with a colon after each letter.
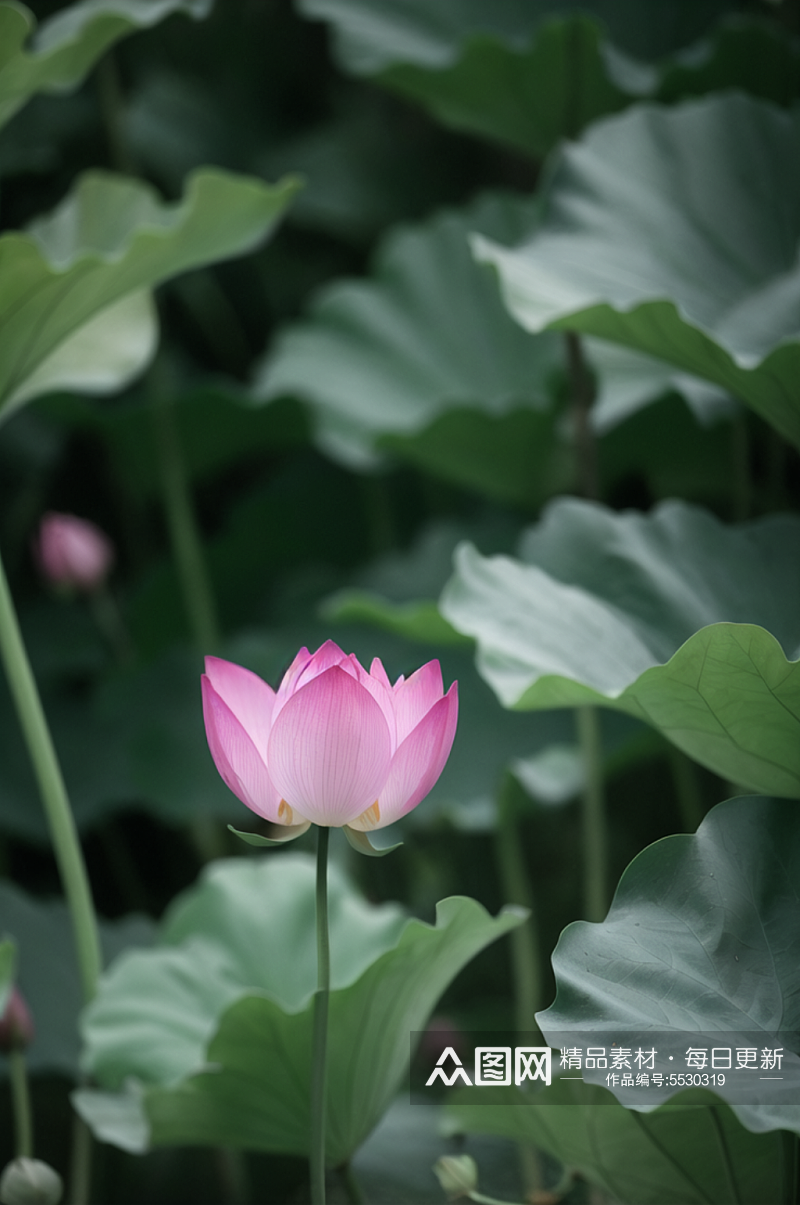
x: 371, y: 818
x: 285, y: 813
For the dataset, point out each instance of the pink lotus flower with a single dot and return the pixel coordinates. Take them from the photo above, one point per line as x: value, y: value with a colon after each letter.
x: 73, y: 553
x: 335, y: 745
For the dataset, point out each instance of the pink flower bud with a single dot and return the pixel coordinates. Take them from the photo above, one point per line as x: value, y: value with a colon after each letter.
x: 16, y: 1024
x: 73, y: 553
x: 334, y: 745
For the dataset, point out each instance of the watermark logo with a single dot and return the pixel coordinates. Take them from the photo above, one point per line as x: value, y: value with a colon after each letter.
x: 493, y: 1067
x: 634, y: 1067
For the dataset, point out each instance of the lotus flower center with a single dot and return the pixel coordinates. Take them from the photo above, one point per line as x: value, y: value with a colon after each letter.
x: 285, y: 813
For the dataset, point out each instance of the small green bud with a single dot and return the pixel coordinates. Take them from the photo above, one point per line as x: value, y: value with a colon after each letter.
x: 457, y: 1174
x: 30, y: 1182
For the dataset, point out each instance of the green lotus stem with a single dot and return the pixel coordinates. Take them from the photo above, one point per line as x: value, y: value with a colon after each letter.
x: 582, y: 396
x: 525, y: 946
x: 377, y: 508
x: 187, y: 547
x: 21, y: 1099
x: 63, y: 832
x: 687, y: 789
x: 595, y: 834
x: 775, y: 472
x: 198, y: 596
x: 525, y: 951
x: 80, y: 1162
x: 355, y: 1195
x: 791, y: 1163
x: 319, y: 1051
x: 112, y: 110
x: 741, y: 473
x: 233, y: 1175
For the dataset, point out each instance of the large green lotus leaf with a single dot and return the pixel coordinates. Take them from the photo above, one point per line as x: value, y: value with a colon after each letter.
x: 47, y: 971
x: 257, y: 1095
x: 419, y: 362
x: 394, y: 1164
x: 703, y: 935
x: 426, y: 335
x: 656, y: 616
x: 675, y: 232
x: 692, y: 1155
x: 248, y: 924
x: 231, y: 985
x: 110, y: 238
x: 529, y: 97
x: 525, y: 74
x: 65, y: 47
x: 371, y: 37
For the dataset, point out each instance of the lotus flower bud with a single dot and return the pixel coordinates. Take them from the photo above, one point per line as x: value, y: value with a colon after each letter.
x: 16, y: 1025
x: 30, y: 1182
x: 457, y: 1174
x: 73, y: 553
